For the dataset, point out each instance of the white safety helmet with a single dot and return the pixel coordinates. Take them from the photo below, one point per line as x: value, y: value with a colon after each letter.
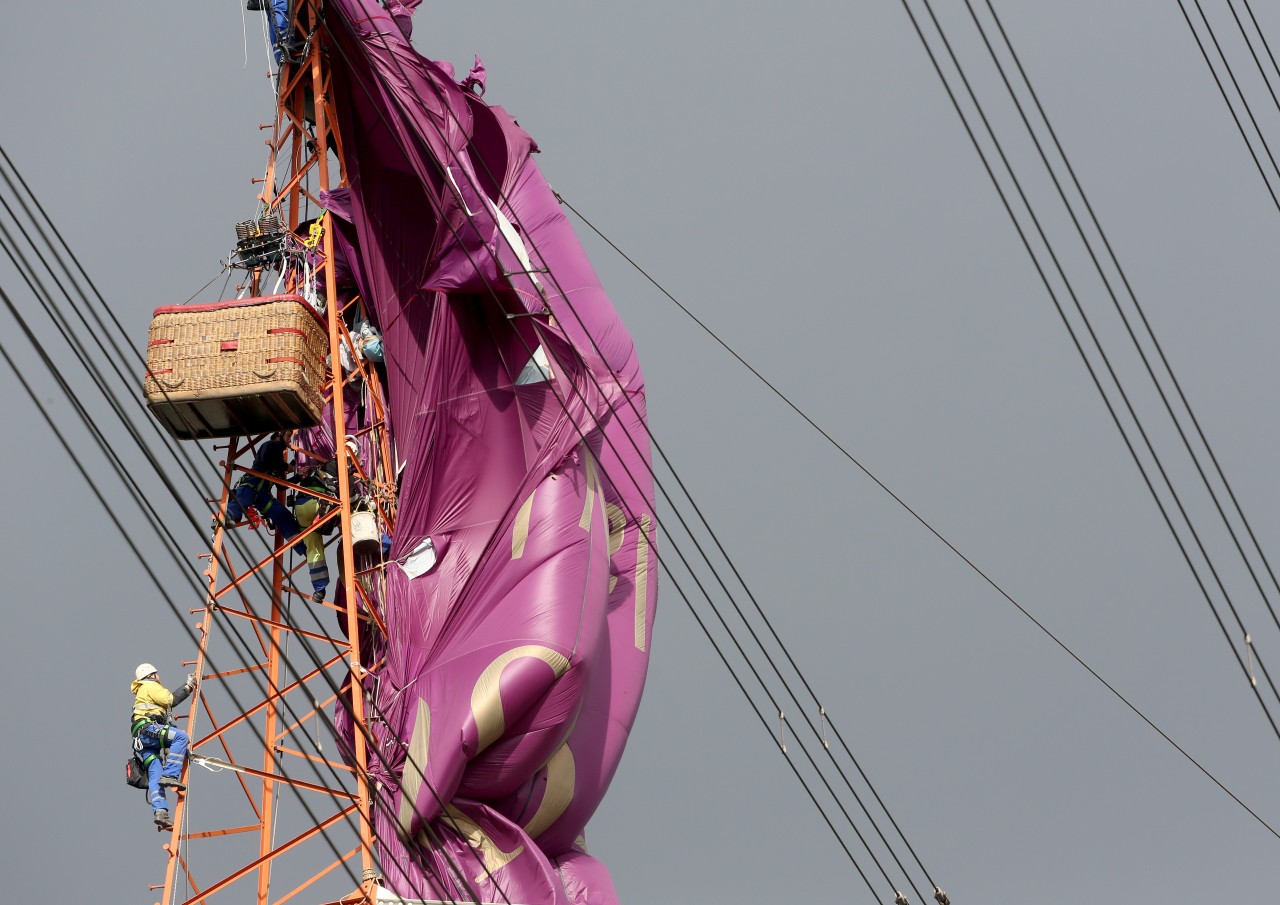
x: 144, y: 670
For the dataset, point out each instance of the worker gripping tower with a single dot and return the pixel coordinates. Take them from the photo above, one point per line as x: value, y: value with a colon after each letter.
x: 278, y: 662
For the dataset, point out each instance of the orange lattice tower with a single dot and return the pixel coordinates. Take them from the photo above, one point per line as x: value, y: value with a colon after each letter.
x: 276, y: 663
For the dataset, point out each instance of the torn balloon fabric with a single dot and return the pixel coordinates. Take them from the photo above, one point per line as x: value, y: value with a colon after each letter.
x: 520, y: 591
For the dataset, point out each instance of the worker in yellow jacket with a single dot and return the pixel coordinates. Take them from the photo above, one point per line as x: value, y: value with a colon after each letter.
x: 154, y: 734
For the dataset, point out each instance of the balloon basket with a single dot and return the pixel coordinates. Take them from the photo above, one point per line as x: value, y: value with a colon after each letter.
x: 236, y: 368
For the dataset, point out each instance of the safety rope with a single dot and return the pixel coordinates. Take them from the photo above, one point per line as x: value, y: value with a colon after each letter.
x: 214, y: 764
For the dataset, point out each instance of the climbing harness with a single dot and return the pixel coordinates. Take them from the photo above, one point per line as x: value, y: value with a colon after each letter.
x: 137, y: 767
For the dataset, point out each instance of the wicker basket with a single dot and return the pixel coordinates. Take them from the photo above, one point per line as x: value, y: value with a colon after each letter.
x: 241, y: 367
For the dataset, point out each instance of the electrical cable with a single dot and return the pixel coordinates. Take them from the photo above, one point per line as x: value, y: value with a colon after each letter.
x: 1244, y: 101
x: 1128, y: 325
x: 1230, y: 107
x: 1253, y: 53
x: 1089, y: 366
x: 1148, y: 329
x: 1262, y: 37
x: 65, y: 330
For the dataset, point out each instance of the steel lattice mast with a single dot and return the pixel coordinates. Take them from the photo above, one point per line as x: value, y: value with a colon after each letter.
x: 274, y: 702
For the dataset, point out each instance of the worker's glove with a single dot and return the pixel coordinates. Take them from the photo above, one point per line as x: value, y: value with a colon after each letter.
x: 193, y: 681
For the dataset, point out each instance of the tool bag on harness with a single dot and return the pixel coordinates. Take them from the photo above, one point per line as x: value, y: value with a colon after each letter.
x: 135, y: 772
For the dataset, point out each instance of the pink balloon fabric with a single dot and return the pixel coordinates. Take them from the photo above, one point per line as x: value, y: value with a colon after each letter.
x: 521, y: 591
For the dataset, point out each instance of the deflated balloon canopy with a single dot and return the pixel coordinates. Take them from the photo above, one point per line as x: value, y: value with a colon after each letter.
x: 520, y: 598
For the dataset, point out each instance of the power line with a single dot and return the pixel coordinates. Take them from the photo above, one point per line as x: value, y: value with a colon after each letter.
x: 1149, y: 331
x: 1262, y: 37
x: 1227, y: 100
x: 906, y: 506
x: 1097, y: 345
x: 1129, y: 328
x: 1244, y: 33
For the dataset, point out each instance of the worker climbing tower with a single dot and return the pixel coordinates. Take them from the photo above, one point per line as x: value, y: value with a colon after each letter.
x: 280, y: 367
x: 421, y: 335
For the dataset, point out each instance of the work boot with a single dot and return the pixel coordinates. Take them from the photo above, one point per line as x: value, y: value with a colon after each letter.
x: 318, y: 596
x: 177, y: 784
x: 162, y: 819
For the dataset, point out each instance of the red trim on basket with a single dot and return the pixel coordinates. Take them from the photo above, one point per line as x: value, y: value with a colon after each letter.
x: 159, y: 342
x: 287, y: 330
x: 165, y: 371
x: 242, y: 303
x: 229, y: 345
x: 297, y: 361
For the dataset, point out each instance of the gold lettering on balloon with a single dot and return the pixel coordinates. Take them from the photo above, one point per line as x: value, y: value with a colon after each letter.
x: 415, y: 765
x: 491, y: 856
x: 642, y: 582
x: 520, y: 531
x: 617, y: 527
x: 558, y: 794
x: 593, y: 482
x: 486, y: 697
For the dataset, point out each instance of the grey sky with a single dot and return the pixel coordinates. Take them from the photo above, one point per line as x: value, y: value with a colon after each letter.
x: 796, y: 176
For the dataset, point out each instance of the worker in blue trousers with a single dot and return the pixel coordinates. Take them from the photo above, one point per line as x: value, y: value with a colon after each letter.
x: 277, y: 23
x: 259, y: 493
x: 157, y: 743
